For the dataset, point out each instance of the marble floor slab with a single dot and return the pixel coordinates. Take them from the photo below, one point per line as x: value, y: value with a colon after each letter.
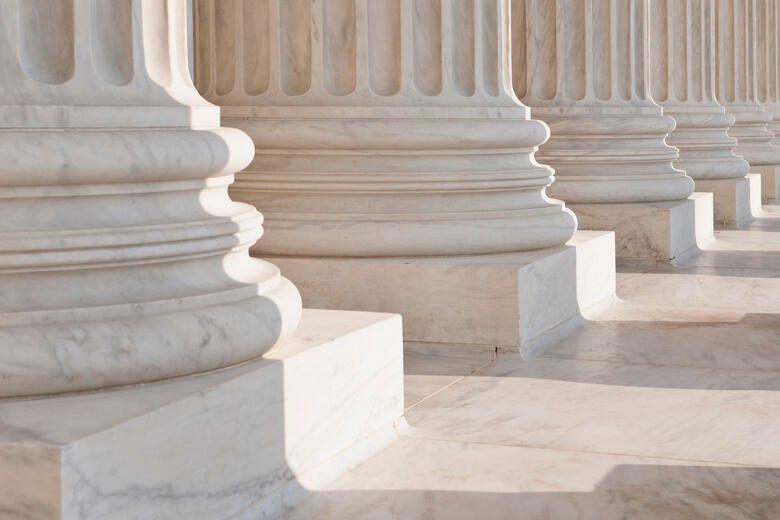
x: 424, y: 479
x: 431, y: 368
x: 609, y: 408
x: 662, y: 406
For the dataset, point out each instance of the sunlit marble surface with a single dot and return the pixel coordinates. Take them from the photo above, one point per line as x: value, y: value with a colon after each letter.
x: 382, y: 128
x: 526, y: 296
x: 233, y: 442
x: 122, y: 258
x: 662, y: 406
x: 434, y: 479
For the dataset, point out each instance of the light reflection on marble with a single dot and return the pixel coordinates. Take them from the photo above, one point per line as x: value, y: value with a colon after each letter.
x: 418, y: 479
x: 429, y: 368
x: 208, y: 446
x: 672, y: 412
x: 662, y: 406
x: 708, y: 288
x: 740, y: 270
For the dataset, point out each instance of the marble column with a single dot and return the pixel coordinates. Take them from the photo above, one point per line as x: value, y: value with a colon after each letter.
x: 124, y: 261
x: 122, y: 258
x: 582, y: 68
x: 768, y: 76
x: 681, y: 36
x: 736, y: 70
x: 384, y: 129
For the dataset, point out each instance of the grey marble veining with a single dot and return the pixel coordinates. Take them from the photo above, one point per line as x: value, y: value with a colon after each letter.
x: 122, y: 258
x: 209, y: 446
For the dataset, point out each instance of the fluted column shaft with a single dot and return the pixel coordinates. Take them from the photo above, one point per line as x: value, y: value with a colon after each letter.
x: 681, y: 35
x: 768, y: 62
x: 382, y: 127
x: 122, y: 258
x: 581, y: 67
x: 736, y: 67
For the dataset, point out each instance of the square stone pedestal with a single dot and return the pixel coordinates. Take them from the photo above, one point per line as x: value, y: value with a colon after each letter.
x: 512, y: 301
x: 235, y: 443
x: 770, y: 181
x: 736, y: 201
x: 659, y: 231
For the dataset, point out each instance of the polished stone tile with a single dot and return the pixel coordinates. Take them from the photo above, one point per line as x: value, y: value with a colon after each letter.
x: 708, y: 279
x: 753, y: 240
x: 707, y: 288
x: 429, y: 368
x: 611, y: 408
x: 422, y: 479
x: 737, y: 263
x: 662, y: 406
x: 627, y: 271
x: 670, y: 337
x: 741, y: 249
x: 768, y: 219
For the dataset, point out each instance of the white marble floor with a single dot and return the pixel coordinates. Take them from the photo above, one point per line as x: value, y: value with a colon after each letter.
x: 664, y: 406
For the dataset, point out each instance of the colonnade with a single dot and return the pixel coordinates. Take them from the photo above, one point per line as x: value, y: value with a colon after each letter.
x: 471, y: 164
x: 400, y: 129
x: 383, y: 128
x: 393, y: 128
x: 410, y: 129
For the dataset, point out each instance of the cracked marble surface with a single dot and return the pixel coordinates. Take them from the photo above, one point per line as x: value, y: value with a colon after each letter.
x: 662, y: 406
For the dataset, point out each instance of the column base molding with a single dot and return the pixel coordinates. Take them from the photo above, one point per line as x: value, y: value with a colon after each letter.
x: 239, y: 442
x: 735, y: 201
x: 513, y: 301
x: 770, y: 181
x: 659, y: 231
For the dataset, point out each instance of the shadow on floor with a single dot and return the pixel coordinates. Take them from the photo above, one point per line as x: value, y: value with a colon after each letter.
x: 739, y: 355
x: 636, y: 492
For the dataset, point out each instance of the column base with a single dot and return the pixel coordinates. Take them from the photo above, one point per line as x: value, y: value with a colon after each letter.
x: 736, y: 201
x: 659, y: 231
x: 513, y: 301
x: 770, y: 181
x: 212, y: 446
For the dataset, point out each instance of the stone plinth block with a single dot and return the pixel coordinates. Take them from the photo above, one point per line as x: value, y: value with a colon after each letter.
x: 209, y: 446
x: 508, y: 300
x: 770, y: 181
x: 736, y: 201
x: 661, y: 231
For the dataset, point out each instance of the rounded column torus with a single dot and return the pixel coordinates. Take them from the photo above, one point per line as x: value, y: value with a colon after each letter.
x: 382, y: 127
x: 735, y: 86
x: 768, y: 62
x: 581, y: 67
x: 681, y: 34
x: 122, y: 258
